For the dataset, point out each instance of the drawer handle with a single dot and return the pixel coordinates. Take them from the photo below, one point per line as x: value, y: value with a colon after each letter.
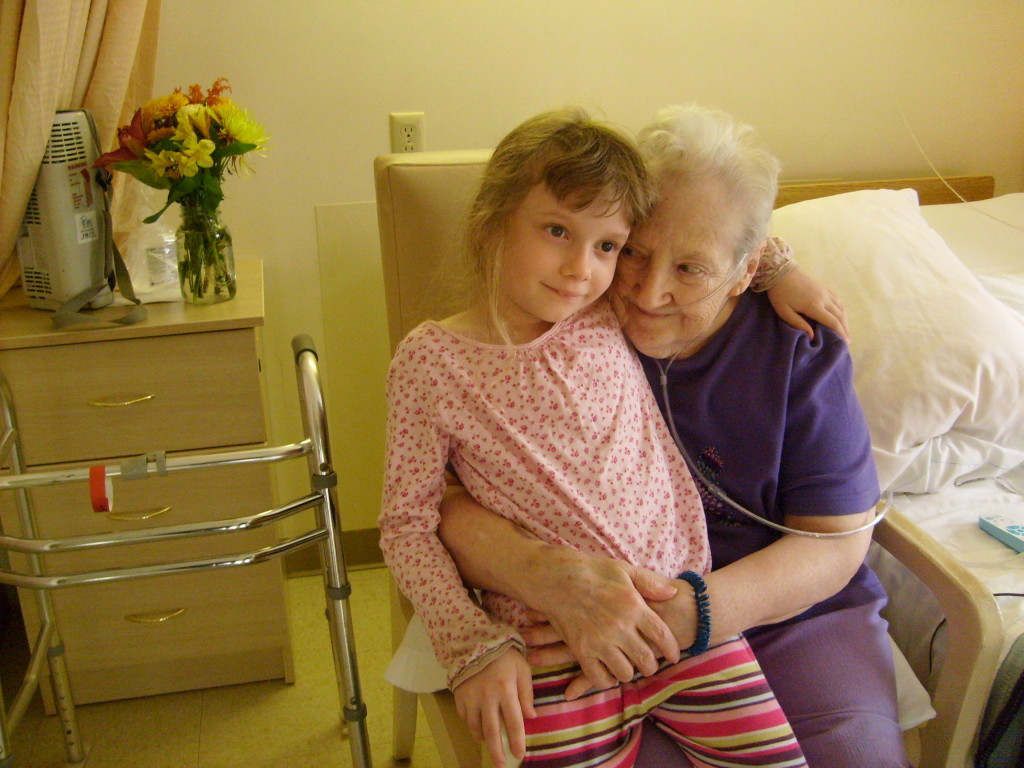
x: 120, y: 403
x: 142, y: 514
x: 156, y: 617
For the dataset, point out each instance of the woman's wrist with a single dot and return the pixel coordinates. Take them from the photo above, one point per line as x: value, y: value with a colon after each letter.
x: 548, y: 574
x: 680, y: 614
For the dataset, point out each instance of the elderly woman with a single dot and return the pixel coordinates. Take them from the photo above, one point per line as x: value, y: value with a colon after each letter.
x: 766, y: 413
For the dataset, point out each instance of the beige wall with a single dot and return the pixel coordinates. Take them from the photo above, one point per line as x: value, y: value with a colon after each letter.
x: 825, y: 80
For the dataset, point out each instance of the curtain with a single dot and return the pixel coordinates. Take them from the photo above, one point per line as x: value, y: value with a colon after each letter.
x: 65, y: 54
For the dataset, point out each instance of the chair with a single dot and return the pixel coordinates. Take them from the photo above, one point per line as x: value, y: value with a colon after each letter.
x: 420, y: 199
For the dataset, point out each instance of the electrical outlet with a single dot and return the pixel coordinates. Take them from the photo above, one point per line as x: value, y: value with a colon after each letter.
x: 406, y: 131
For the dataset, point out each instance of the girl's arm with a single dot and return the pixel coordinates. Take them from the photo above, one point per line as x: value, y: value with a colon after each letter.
x: 793, y: 292
x: 462, y: 634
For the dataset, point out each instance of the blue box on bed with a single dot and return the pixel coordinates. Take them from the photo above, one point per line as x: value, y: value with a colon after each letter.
x: 1009, y: 530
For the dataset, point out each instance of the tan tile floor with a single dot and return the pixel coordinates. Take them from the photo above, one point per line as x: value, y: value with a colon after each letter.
x: 258, y: 725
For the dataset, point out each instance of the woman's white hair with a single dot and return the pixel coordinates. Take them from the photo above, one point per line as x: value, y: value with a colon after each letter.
x: 684, y: 144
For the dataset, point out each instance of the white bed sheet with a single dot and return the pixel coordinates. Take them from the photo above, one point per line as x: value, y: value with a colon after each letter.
x: 988, y: 237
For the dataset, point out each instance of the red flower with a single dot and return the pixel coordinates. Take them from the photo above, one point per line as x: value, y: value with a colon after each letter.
x: 132, y: 141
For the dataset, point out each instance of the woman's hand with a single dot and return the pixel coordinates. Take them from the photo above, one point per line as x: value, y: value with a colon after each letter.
x: 500, y: 694
x: 595, y: 604
x: 599, y: 617
x: 798, y: 293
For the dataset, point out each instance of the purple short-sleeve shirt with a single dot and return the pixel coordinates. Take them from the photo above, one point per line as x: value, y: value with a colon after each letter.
x: 772, y: 418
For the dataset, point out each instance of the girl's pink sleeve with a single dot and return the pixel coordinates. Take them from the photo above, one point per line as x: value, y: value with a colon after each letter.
x: 777, y: 261
x: 417, y: 452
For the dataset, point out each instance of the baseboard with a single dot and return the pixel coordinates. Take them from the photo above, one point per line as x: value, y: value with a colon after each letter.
x: 361, y: 548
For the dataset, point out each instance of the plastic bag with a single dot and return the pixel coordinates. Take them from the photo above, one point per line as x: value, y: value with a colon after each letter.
x: 150, y: 251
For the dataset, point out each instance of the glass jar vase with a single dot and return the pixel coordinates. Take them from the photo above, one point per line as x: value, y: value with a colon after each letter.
x: 206, y: 259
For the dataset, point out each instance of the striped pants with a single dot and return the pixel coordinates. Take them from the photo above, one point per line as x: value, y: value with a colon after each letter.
x: 716, y: 706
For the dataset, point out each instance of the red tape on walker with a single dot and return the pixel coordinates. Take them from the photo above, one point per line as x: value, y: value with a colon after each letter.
x: 101, y: 491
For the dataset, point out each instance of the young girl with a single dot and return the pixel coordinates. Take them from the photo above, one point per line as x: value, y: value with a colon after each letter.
x: 536, y: 399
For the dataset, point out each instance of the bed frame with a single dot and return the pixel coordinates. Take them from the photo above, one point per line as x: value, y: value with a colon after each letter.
x: 931, y: 191
x: 420, y: 197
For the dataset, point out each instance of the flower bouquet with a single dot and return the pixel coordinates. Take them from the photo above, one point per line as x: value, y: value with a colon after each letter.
x: 186, y: 143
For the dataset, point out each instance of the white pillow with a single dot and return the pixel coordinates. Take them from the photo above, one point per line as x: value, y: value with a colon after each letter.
x: 938, y: 364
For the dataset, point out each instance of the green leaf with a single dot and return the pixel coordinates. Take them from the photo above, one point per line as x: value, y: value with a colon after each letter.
x: 167, y: 143
x: 144, y: 172
x: 236, y: 148
x: 214, y: 192
x: 185, y: 186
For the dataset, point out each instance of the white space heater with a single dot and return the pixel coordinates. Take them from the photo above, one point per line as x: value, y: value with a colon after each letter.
x: 63, y: 242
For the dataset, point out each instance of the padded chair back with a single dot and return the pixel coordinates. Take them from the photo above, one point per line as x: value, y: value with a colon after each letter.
x: 422, y: 198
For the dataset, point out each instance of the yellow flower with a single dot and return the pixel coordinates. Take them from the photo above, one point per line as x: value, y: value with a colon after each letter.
x: 165, y: 163
x: 201, y: 136
x: 195, y: 154
x: 237, y: 125
x: 193, y: 119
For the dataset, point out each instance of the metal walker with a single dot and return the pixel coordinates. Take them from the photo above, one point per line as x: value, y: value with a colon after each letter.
x: 315, y: 446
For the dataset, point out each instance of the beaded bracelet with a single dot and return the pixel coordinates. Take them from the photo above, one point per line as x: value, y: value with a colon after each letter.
x: 700, y: 591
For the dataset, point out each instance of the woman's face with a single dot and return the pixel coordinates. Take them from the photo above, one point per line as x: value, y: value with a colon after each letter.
x: 678, y: 276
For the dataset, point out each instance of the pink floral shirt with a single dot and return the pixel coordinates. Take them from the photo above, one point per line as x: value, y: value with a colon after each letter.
x: 561, y: 436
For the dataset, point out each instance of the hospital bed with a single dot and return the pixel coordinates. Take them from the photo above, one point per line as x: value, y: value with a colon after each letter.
x: 48, y: 647
x: 905, y: 293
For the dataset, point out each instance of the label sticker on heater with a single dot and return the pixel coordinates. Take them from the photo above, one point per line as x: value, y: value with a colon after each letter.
x: 86, y: 226
x: 80, y: 186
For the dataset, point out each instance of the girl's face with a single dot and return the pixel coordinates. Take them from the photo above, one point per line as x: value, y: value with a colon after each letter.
x: 557, y: 260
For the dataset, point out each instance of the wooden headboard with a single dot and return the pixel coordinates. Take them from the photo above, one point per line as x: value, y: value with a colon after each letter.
x: 930, y: 191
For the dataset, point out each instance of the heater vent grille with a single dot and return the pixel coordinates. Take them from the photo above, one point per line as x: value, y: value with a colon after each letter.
x: 67, y: 144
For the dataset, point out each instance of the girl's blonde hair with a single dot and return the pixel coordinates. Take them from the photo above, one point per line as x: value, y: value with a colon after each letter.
x: 577, y: 158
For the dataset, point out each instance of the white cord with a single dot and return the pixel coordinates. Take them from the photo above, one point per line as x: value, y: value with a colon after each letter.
x: 942, y: 178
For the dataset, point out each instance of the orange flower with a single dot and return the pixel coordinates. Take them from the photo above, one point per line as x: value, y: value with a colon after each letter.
x: 161, y: 113
x: 213, y: 96
x: 195, y: 94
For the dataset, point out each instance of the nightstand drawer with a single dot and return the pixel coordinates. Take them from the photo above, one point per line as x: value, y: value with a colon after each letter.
x: 171, y: 618
x: 174, y: 632
x: 174, y: 499
x: 129, y: 396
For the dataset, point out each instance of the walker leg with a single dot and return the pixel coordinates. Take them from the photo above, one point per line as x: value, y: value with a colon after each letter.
x: 64, y: 703
x: 6, y: 749
x: 336, y: 583
x: 343, y: 643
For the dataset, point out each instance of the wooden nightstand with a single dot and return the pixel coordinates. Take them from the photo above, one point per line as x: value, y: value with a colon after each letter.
x: 186, y: 379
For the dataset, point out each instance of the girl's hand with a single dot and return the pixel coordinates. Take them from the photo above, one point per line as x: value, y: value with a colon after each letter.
x: 798, y: 293
x: 498, y: 695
